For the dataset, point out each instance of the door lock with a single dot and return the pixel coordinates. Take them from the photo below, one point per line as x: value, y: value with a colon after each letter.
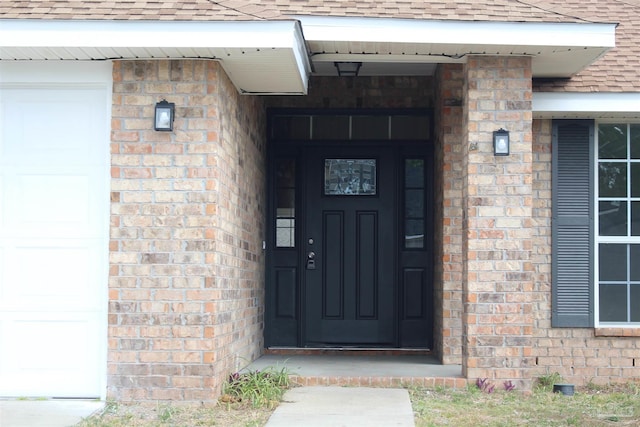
x: 311, y: 261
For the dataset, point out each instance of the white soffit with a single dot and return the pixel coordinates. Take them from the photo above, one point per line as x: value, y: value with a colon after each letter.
x: 557, y: 49
x: 571, y: 105
x: 264, y: 57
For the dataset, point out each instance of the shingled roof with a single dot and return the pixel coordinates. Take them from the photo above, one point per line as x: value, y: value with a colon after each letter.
x: 617, y: 71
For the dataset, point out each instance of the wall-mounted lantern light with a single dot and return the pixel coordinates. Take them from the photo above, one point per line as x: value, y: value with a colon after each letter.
x: 163, y: 119
x: 501, y: 142
x: 348, y: 69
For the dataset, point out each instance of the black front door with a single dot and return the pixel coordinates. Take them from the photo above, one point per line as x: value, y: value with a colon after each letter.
x: 350, y: 247
x: 350, y: 241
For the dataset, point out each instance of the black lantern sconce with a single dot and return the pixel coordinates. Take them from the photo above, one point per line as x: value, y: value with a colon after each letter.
x: 501, y: 142
x: 165, y: 113
x: 348, y: 69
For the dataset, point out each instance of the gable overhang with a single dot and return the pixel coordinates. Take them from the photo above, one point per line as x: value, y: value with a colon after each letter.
x: 558, y: 50
x: 260, y: 57
x: 586, y: 105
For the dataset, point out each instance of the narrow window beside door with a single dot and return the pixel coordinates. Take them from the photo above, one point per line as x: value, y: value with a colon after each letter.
x: 286, y: 203
x: 414, y: 213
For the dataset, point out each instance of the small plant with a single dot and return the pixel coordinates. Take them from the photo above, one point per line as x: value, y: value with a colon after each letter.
x: 484, y: 385
x: 259, y: 388
x: 509, y: 386
x: 166, y: 413
x: 546, y: 382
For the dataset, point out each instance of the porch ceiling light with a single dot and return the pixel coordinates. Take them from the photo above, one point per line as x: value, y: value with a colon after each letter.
x: 348, y: 69
x: 163, y: 119
x: 501, y: 142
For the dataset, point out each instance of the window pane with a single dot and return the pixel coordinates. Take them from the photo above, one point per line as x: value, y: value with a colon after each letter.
x: 285, y: 202
x: 285, y: 233
x: 613, y: 303
x: 635, y: 141
x: 635, y: 218
x: 414, y: 203
x: 292, y: 128
x: 331, y: 127
x: 370, y: 127
x: 414, y: 234
x: 613, y: 218
x: 613, y: 262
x: 349, y: 177
x: 635, y: 179
x: 612, y: 141
x: 635, y: 303
x: 286, y: 199
x: 612, y: 179
x: 634, y: 256
x: 410, y: 127
x: 286, y: 173
x: 414, y: 173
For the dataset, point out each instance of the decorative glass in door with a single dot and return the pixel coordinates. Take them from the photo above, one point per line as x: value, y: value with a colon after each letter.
x: 350, y: 177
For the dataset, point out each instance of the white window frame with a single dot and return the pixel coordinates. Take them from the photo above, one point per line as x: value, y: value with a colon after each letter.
x: 607, y: 239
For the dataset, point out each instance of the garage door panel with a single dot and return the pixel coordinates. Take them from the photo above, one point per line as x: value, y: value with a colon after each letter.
x: 3, y: 202
x: 48, y: 275
x: 58, y: 203
x: 48, y: 203
x: 53, y: 124
x: 55, y: 354
x: 54, y: 208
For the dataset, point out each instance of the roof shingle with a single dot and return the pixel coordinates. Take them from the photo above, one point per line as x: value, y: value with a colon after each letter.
x: 617, y: 71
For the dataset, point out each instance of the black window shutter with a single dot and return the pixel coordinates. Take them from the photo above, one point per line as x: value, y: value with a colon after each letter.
x: 572, y: 223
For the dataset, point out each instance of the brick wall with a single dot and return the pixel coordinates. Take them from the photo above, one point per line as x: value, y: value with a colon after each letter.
x: 580, y: 355
x: 361, y: 92
x: 497, y: 221
x: 448, y: 205
x: 186, y: 263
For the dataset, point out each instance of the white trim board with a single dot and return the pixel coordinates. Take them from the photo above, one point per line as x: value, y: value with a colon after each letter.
x: 599, y: 105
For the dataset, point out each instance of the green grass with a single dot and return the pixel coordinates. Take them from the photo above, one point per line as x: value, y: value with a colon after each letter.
x: 618, y: 406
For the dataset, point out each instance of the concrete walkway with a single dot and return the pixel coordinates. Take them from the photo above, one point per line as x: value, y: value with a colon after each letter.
x: 343, y: 407
x: 302, y: 406
x: 46, y: 413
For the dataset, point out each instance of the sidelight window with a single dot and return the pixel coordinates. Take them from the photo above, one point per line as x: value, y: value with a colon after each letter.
x: 285, y: 203
x: 414, y: 204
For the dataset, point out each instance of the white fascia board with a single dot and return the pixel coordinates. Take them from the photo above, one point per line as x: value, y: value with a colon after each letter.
x: 587, y: 104
x: 478, y: 33
x: 234, y: 44
x: 218, y: 34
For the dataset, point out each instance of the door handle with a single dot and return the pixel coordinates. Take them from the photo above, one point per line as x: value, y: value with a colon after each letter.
x: 311, y: 260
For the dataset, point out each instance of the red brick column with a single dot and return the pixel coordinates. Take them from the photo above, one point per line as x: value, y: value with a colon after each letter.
x: 448, y: 226
x: 186, y: 292
x: 497, y: 222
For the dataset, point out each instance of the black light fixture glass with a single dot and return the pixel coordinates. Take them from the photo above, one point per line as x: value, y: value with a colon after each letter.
x: 348, y: 69
x: 501, y: 142
x: 163, y: 119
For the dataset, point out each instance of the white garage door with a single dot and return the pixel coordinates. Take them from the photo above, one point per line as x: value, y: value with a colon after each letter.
x: 53, y: 230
